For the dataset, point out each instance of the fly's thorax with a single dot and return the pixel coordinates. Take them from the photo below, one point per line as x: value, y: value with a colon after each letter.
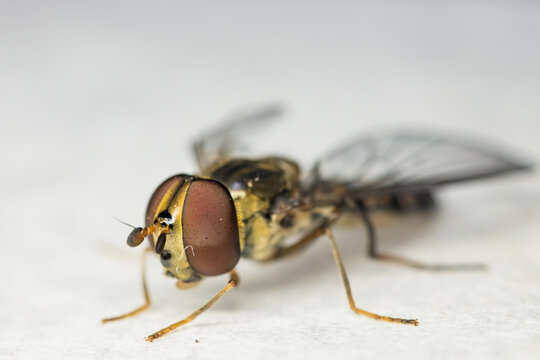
x: 266, y: 234
x: 202, y: 228
x: 264, y: 178
x: 258, y: 187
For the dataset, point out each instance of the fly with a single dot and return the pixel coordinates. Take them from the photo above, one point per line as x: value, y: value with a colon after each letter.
x: 201, y: 225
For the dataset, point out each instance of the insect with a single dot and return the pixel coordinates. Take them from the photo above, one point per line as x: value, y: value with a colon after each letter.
x: 201, y: 225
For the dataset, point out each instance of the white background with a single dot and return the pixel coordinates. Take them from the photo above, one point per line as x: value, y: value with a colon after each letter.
x: 99, y: 102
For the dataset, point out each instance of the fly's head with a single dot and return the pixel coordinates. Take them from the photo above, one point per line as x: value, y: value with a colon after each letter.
x: 193, y: 225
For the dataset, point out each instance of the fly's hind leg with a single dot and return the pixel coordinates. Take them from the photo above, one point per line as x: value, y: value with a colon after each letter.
x: 341, y: 268
x: 233, y: 282
x: 375, y: 254
x: 147, y: 300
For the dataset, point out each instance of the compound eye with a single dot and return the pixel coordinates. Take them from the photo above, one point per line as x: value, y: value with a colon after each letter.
x: 210, y: 227
x: 157, y: 196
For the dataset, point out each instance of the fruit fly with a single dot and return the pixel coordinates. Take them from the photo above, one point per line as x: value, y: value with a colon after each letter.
x: 238, y: 207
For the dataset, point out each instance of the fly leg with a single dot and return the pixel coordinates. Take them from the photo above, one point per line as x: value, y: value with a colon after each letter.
x: 233, y: 282
x: 341, y: 268
x: 147, y: 300
x: 301, y: 243
x: 375, y: 254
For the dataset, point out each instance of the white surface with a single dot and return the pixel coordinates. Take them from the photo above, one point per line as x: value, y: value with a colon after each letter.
x: 98, y: 103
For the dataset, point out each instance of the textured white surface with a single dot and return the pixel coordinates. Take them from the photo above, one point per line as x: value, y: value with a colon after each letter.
x: 98, y: 103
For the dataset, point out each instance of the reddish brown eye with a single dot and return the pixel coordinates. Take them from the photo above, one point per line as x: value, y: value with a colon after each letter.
x: 157, y: 196
x: 210, y: 226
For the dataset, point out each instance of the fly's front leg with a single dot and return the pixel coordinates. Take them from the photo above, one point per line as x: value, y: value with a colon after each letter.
x: 341, y: 268
x: 233, y: 282
x: 147, y: 300
x: 375, y: 254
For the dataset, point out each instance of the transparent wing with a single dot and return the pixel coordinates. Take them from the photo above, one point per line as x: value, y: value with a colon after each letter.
x: 405, y: 161
x: 228, y: 139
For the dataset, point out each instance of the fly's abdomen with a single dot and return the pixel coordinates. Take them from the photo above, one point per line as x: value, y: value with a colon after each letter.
x: 403, y: 202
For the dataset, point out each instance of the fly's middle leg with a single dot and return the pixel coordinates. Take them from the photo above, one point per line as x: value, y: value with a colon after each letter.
x: 374, y: 253
x: 302, y: 242
x: 345, y: 279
